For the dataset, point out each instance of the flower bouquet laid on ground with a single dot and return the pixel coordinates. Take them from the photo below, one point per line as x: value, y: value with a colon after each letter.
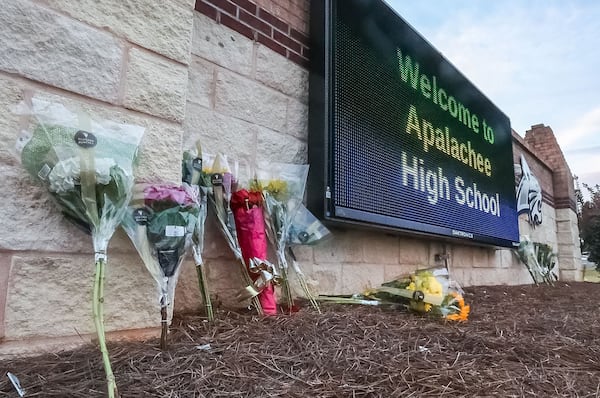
x: 540, y: 260
x: 428, y: 291
x: 220, y: 181
x: 191, y: 175
x: 160, y: 223
x: 86, y: 166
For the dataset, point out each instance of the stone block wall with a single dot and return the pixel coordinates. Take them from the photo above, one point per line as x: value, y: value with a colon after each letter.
x: 123, y: 60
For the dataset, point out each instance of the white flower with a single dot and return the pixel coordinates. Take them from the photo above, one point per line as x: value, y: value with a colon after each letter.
x: 103, y: 166
x: 65, y: 174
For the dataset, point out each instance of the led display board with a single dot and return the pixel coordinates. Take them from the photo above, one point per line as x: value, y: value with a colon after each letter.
x: 399, y: 139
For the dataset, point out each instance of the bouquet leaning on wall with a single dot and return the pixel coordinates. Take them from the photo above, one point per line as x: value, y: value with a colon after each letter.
x: 87, y: 167
x: 282, y: 186
x: 540, y: 260
x: 160, y: 222
x: 191, y: 172
x: 220, y: 180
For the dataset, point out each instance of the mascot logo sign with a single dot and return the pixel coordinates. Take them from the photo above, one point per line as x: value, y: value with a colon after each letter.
x: 529, y: 195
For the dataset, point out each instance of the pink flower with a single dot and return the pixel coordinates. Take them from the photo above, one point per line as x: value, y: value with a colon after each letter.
x: 168, y: 192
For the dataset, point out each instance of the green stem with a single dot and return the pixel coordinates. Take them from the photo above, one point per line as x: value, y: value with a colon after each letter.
x: 98, y: 312
x: 302, y: 280
x: 204, y: 291
x: 164, y: 327
x: 287, y: 291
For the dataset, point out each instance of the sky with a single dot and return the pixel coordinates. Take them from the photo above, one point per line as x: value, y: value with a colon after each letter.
x: 536, y: 60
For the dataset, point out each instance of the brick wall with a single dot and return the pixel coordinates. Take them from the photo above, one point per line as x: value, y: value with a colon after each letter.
x: 281, y: 25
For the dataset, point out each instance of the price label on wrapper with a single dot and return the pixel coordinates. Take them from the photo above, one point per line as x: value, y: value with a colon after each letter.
x: 174, y: 230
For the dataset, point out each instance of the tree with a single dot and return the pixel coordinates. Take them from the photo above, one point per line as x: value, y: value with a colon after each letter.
x: 588, y: 212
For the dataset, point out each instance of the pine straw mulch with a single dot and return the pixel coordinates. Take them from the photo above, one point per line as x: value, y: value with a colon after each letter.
x: 519, y: 341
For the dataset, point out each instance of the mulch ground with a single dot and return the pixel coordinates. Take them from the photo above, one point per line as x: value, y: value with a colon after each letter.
x: 519, y: 341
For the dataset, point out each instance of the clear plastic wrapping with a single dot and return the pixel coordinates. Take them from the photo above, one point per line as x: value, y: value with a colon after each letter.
x: 87, y: 167
x: 85, y: 164
x: 160, y: 221
x: 428, y: 291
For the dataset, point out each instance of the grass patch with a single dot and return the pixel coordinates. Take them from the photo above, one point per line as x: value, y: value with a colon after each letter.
x: 591, y: 275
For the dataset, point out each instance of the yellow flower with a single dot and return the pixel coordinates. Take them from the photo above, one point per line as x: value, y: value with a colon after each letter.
x: 369, y: 292
x: 276, y: 187
x: 256, y: 185
x: 434, y: 287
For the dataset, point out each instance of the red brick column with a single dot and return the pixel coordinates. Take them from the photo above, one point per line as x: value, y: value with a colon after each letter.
x: 541, y: 140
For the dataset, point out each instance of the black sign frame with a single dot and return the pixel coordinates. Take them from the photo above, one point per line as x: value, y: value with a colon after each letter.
x: 324, y: 176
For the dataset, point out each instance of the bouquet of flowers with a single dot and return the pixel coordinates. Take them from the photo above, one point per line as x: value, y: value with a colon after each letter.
x: 160, y: 223
x: 86, y: 166
x: 282, y: 185
x: 305, y: 229
x: 540, y: 260
x: 220, y: 181
x: 191, y: 173
x: 247, y: 209
x: 428, y: 291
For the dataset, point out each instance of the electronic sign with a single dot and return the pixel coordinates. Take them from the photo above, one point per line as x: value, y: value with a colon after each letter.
x: 399, y: 139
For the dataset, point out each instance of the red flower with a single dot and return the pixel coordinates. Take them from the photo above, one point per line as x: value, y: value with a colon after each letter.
x: 244, y: 199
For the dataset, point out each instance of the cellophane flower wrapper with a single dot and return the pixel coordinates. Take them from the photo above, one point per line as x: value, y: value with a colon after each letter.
x: 428, y: 291
x: 306, y: 229
x: 539, y: 259
x: 161, y: 221
x: 247, y: 207
x: 87, y: 167
x: 283, y: 186
x: 91, y: 181
x: 192, y: 166
x: 220, y: 176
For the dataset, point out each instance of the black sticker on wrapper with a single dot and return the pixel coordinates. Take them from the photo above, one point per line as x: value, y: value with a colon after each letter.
x: 217, y: 179
x: 141, y: 216
x: 197, y: 164
x: 85, y: 139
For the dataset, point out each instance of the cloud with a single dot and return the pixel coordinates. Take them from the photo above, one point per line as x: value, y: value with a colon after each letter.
x: 583, y: 133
